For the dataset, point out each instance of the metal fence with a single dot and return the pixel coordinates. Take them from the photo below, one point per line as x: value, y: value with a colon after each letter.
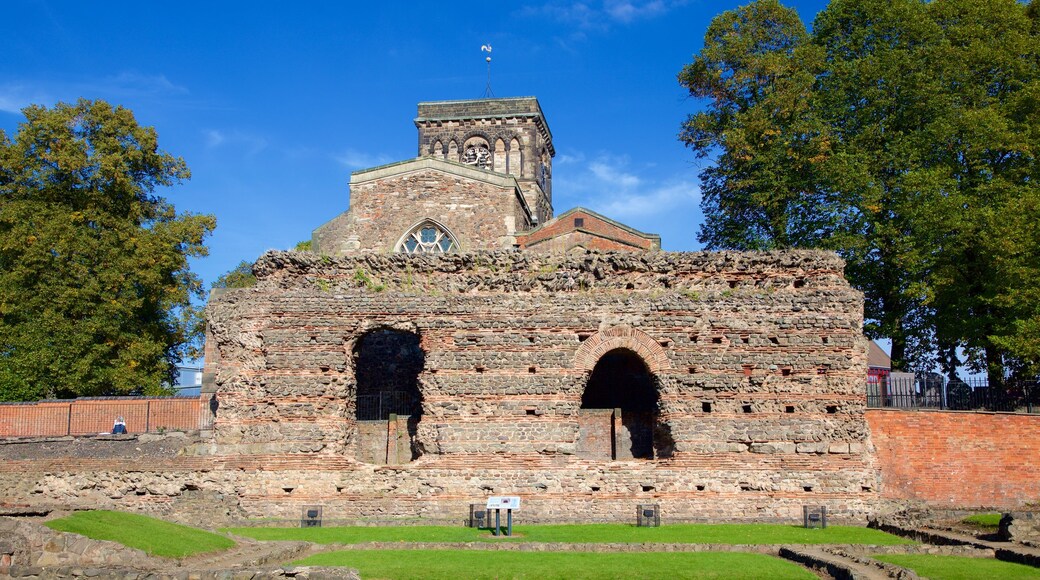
x: 379, y: 406
x: 932, y: 392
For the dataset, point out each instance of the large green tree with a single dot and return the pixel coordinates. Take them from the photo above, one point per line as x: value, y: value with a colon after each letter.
x: 923, y: 122
x: 95, y: 288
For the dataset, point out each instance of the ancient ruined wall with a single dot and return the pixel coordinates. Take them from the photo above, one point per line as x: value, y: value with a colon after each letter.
x: 757, y: 361
x: 482, y: 210
x: 958, y: 459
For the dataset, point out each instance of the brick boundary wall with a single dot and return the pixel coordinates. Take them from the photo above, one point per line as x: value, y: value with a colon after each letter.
x: 96, y: 415
x: 958, y: 459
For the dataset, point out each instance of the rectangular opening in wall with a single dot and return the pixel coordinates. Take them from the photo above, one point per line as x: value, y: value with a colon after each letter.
x: 692, y: 370
x: 789, y: 409
x: 716, y: 340
x: 706, y: 407
x: 532, y: 412
x: 832, y: 409
x: 583, y: 336
x: 479, y: 369
x: 746, y: 408
x: 532, y: 370
x: 807, y: 488
x: 700, y: 488
x: 785, y: 372
x: 579, y: 222
x: 647, y: 488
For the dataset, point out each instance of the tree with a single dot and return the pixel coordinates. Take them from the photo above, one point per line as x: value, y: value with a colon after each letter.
x: 95, y: 288
x: 757, y: 70
x: 241, y: 276
x: 923, y: 125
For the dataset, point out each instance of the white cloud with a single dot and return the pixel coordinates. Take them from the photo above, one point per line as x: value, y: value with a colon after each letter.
x: 352, y: 158
x: 131, y: 83
x: 610, y: 185
x: 249, y: 143
x: 14, y: 97
x: 600, y: 15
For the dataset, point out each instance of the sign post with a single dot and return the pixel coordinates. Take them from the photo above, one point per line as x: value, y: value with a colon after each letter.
x: 503, y: 502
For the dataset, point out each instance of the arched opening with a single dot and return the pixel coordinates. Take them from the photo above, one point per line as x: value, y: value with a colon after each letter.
x: 621, y: 382
x: 476, y: 152
x: 387, y: 365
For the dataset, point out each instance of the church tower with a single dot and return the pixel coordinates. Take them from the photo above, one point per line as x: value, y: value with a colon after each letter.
x: 507, y: 135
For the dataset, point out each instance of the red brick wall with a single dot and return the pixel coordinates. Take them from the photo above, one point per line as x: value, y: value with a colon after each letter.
x: 89, y: 416
x: 958, y: 459
x: 560, y: 234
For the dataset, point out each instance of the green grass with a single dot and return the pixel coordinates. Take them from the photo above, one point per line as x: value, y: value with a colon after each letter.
x: 989, y: 521
x: 156, y: 537
x: 959, y: 567
x: 598, y: 533
x: 500, y: 565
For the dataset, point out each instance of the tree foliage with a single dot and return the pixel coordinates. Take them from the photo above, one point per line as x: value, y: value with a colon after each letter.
x: 241, y: 276
x: 903, y: 134
x: 95, y: 288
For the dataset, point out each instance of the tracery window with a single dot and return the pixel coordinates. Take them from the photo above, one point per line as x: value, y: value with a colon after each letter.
x: 478, y: 155
x: 427, y: 238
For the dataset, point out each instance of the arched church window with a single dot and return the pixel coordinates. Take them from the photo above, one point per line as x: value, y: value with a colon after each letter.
x: 427, y: 238
x: 477, y: 154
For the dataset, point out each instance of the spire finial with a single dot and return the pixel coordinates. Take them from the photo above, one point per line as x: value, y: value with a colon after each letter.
x: 487, y: 90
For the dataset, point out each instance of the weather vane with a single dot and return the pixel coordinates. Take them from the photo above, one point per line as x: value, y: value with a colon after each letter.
x: 487, y: 90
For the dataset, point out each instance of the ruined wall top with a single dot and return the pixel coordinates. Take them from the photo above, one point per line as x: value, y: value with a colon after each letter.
x: 511, y: 271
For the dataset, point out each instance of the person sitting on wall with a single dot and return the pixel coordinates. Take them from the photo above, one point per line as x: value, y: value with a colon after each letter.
x: 119, y: 428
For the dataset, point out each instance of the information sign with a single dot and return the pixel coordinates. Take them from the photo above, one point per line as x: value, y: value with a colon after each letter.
x: 503, y: 502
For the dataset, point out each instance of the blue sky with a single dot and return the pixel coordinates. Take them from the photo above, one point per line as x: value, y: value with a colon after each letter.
x: 273, y: 105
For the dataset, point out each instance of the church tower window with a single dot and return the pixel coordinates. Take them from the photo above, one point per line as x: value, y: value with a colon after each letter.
x: 477, y: 154
x: 427, y: 238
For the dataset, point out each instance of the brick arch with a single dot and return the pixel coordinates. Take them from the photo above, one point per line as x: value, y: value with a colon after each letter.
x: 627, y: 337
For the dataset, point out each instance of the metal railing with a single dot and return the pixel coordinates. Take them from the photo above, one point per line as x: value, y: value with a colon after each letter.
x: 379, y: 406
x: 931, y: 392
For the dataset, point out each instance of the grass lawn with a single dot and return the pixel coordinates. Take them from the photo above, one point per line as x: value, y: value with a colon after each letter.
x: 989, y: 521
x: 156, y: 537
x: 959, y: 567
x: 676, y: 533
x: 452, y: 564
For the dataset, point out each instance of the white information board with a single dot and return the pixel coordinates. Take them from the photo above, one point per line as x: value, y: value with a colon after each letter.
x: 503, y: 502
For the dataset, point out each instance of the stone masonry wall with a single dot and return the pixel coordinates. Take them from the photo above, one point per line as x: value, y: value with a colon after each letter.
x: 481, y: 214
x: 758, y: 361
x: 958, y: 459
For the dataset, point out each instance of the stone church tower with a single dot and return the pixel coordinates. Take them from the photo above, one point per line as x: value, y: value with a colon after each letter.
x: 482, y: 180
x: 503, y: 135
